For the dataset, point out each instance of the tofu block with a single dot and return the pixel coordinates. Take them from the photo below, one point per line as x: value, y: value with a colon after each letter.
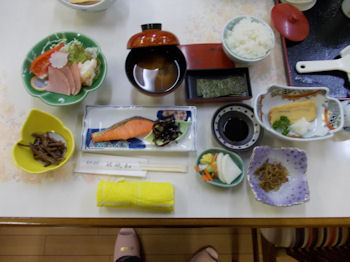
x: 294, y: 111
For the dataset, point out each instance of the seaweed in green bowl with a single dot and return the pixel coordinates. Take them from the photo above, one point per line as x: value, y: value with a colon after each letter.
x: 56, y: 99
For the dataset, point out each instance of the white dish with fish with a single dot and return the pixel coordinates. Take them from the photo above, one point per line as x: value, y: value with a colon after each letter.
x: 328, y: 119
x: 98, y: 118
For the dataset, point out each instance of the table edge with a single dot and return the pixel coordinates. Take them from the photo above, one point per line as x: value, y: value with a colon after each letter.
x: 176, y: 222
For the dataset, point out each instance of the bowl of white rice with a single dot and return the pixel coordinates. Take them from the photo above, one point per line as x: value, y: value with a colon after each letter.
x: 247, y: 39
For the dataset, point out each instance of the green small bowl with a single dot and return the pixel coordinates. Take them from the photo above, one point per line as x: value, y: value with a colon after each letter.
x: 236, y: 158
x: 59, y: 99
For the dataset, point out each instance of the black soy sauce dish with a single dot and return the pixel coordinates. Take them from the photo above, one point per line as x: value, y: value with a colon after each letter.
x: 234, y: 127
x: 155, y: 65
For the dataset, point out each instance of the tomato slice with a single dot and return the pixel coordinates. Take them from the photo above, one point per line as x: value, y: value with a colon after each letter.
x: 40, y: 64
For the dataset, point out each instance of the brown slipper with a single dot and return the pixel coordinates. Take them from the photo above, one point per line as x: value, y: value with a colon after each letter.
x: 206, y: 254
x: 126, y: 244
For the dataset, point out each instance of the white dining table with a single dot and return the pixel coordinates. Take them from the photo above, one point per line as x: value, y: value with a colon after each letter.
x: 64, y: 194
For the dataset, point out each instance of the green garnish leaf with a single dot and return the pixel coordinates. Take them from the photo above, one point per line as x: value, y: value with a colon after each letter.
x: 282, y: 125
x: 77, y: 52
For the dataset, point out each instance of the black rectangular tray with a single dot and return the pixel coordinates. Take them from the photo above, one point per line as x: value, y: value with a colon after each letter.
x: 329, y: 34
x: 220, y: 73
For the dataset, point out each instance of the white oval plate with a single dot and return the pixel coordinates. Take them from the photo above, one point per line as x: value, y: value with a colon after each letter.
x: 97, y: 118
x: 329, y: 119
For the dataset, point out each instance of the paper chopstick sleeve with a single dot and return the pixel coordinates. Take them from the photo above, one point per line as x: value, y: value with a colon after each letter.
x: 138, y: 194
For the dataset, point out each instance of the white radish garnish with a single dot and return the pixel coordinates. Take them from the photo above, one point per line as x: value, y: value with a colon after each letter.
x: 230, y: 171
x: 59, y: 59
x: 219, y: 166
x: 301, y: 127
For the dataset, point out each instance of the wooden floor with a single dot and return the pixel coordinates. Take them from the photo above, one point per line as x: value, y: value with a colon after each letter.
x: 58, y: 244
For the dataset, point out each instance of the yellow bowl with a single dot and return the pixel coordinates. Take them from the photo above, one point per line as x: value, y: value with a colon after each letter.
x: 40, y: 122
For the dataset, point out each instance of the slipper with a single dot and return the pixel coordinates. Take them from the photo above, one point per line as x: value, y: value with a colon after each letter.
x: 206, y: 254
x: 126, y: 244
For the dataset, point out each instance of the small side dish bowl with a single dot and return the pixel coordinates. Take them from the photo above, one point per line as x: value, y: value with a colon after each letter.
x: 92, y: 6
x: 328, y: 119
x: 234, y: 157
x: 41, y: 122
x: 55, y: 99
x: 292, y: 192
x: 247, y: 39
x: 235, y: 127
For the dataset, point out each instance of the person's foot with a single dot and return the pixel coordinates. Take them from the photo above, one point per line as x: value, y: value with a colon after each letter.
x: 207, y: 254
x: 126, y: 244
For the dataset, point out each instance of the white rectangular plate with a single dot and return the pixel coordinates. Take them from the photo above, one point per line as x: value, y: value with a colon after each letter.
x: 97, y: 118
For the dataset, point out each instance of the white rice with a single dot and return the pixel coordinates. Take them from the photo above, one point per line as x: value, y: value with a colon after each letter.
x: 250, y: 39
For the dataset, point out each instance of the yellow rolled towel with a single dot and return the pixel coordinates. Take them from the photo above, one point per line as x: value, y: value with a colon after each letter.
x: 150, y: 195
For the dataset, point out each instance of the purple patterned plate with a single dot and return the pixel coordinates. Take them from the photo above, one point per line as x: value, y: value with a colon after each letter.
x: 296, y: 190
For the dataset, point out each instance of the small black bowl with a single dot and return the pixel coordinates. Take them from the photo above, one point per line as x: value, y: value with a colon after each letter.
x: 234, y: 126
x: 156, y: 70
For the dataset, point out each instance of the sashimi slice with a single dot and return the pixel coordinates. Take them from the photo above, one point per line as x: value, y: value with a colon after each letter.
x: 230, y: 170
x: 68, y: 73
x: 129, y: 128
x: 76, y: 76
x: 58, y: 82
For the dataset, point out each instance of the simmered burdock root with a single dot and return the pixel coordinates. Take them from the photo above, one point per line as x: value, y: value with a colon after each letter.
x: 47, y: 149
x: 272, y: 175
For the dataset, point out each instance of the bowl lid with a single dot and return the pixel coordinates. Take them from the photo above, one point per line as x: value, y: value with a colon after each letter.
x: 152, y: 35
x: 290, y: 22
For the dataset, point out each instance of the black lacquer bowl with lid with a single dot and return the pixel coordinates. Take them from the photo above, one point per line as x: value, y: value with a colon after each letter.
x: 155, y: 65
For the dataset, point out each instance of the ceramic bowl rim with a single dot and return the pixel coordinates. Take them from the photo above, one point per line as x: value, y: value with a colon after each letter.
x: 239, y: 58
x: 260, y: 136
x: 84, y: 7
x: 301, y: 2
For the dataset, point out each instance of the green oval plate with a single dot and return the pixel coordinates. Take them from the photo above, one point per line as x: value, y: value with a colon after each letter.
x: 44, y: 45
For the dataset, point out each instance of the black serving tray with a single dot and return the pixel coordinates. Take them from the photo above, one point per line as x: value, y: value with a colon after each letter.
x: 329, y: 34
x: 219, y: 73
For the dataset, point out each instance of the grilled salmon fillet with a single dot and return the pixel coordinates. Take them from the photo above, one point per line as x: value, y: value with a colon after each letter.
x: 128, y: 128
